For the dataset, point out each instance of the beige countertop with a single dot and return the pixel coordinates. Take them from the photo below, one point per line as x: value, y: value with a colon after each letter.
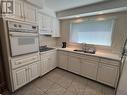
x: 97, y: 54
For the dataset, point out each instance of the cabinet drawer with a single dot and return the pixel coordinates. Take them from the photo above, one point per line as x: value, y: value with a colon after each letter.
x: 110, y: 62
x: 24, y: 61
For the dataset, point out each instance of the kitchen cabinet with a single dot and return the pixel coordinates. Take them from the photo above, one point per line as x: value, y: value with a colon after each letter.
x: 96, y: 68
x: 45, y: 24
x: 62, y: 60
x: 29, y: 13
x: 24, y: 11
x: 23, y: 75
x: 56, y: 28
x: 89, y: 67
x: 20, y: 77
x: 108, y: 74
x: 33, y: 71
x: 74, y: 64
x: 48, y: 62
x: 19, y: 13
x: 48, y: 25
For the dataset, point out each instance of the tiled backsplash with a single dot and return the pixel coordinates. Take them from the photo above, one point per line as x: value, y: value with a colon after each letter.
x: 47, y: 40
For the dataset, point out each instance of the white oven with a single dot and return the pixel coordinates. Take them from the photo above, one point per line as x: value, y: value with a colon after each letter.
x: 23, y: 40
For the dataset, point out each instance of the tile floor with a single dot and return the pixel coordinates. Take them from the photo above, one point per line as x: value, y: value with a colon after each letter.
x: 60, y: 82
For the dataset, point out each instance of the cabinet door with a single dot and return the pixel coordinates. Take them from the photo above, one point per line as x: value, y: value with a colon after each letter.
x: 39, y: 21
x: 45, y: 66
x: 74, y: 64
x: 55, y: 28
x: 30, y: 13
x: 19, y: 15
x: 33, y: 71
x: 62, y: 60
x: 20, y: 77
x: 89, y: 68
x: 108, y: 74
x: 53, y: 60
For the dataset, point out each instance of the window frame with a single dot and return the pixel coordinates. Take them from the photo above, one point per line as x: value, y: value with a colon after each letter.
x: 94, y: 19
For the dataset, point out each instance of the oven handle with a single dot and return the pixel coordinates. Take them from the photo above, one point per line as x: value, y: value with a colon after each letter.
x: 14, y: 34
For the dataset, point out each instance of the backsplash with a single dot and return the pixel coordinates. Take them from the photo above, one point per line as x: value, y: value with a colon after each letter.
x: 47, y: 40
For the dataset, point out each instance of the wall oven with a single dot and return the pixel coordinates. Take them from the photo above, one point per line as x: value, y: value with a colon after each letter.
x: 23, y: 38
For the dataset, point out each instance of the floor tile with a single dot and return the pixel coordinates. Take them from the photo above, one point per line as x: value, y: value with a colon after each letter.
x: 43, y: 84
x: 108, y: 90
x: 56, y: 90
x: 65, y: 82
x: 60, y: 82
x: 53, y: 76
x: 28, y: 90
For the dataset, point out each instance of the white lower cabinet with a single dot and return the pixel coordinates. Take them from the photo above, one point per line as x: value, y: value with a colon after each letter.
x: 48, y: 62
x: 23, y: 75
x: 108, y: 74
x: 74, y: 64
x: 89, y: 68
x: 20, y: 77
x: 33, y: 71
x: 102, y: 70
x: 62, y: 60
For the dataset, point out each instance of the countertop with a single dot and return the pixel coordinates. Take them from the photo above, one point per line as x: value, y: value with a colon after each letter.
x: 97, y: 54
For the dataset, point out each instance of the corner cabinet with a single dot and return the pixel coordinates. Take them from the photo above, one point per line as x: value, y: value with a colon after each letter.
x: 63, y: 60
x: 48, y: 62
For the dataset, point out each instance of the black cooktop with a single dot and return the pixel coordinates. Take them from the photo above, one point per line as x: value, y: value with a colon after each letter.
x: 45, y: 48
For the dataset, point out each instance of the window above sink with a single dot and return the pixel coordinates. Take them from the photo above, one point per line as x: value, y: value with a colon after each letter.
x: 93, y: 31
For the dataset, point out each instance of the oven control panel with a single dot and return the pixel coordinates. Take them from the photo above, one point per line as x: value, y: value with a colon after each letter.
x: 21, y: 27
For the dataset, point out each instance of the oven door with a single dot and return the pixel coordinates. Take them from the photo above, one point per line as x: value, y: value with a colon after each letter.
x: 23, y: 43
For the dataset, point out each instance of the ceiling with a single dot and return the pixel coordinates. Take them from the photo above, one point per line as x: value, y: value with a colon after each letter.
x: 59, y: 5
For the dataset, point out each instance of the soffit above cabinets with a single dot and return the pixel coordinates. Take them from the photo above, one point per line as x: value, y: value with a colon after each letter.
x: 59, y: 5
x: 37, y: 3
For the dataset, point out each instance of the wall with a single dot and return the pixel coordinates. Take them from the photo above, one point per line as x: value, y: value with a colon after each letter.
x: 119, y: 34
x: 107, y: 5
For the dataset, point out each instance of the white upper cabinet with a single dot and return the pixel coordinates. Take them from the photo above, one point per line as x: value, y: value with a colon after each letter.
x: 48, y: 25
x: 18, y: 14
x: 45, y: 24
x: 24, y: 11
x: 56, y: 28
x: 29, y: 13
